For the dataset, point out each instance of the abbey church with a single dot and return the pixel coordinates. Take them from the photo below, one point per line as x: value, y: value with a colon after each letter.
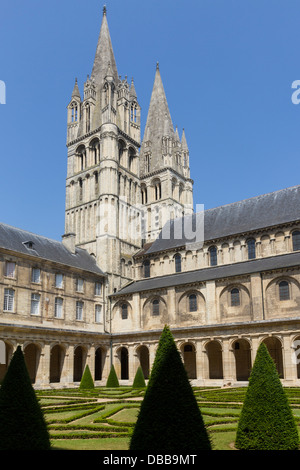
x: 136, y: 255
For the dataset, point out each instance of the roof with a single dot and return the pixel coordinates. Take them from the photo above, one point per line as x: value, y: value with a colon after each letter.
x: 276, y: 208
x: 213, y: 273
x: 15, y: 239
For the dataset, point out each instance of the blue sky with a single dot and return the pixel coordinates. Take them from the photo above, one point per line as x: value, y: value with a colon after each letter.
x: 227, y: 68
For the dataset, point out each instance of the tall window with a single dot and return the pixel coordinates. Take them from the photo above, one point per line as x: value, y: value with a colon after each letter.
x: 251, y: 248
x: 10, y: 269
x: 9, y: 297
x: 193, y: 303
x: 79, y: 310
x: 59, y: 280
x: 98, y: 287
x: 155, y: 307
x: 284, y: 290
x: 36, y: 275
x: 146, y: 266
x: 177, y: 258
x: 79, y: 285
x: 98, y: 309
x: 58, y: 312
x: 213, y: 256
x: 296, y: 240
x: 124, y: 309
x: 235, y: 297
x: 35, y: 304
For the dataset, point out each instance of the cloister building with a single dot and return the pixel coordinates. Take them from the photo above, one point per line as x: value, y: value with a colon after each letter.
x: 136, y: 256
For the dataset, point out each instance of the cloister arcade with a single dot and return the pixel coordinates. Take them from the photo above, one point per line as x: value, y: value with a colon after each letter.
x: 214, y: 361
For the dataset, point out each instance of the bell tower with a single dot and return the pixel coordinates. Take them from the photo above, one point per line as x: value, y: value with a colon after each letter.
x: 102, y: 185
x: 167, y: 190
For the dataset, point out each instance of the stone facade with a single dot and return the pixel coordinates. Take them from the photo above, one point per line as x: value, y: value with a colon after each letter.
x: 103, y: 295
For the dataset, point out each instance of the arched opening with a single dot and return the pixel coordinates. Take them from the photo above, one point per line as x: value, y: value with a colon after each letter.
x: 215, y: 361
x: 296, y: 240
x: 177, y: 259
x: 242, y: 354
x: 56, y: 363
x: 99, y: 363
x: 146, y: 268
x: 213, y: 258
x: 143, y: 355
x: 32, y: 356
x: 189, y: 359
x: 79, y: 363
x: 275, y: 350
x: 251, y: 248
x: 124, y: 363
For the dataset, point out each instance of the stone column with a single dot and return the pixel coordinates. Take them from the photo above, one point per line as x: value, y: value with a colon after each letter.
x: 229, y: 373
x: 67, y: 374
x: 201, y: 361
x: 289, y: 366
x: 43, y: 372
x: 90, y: 359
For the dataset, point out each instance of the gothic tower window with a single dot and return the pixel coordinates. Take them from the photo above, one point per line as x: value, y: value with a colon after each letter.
x: 81, y: 157
x: 213, y: 256
x: 87, y: 118
x: 74, y: 112
x: 80, y: 183
x: 147, y: 163
x: 157, y: 189
x: 284, y: 290
x: 95, y: 152
x: 144, y: 194
x: 251, y: 248
x: 296, y: 240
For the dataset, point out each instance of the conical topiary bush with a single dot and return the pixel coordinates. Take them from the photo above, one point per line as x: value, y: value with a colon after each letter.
x: 169, y: 419
x: 112, y: 379
x: 266, y: 421
x: 22, y: 424
x: 87, y: 382
x: 139, y: 380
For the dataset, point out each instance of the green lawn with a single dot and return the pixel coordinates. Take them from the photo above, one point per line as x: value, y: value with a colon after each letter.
x: 103, y: 419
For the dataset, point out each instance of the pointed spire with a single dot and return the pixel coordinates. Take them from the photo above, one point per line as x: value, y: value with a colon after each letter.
x: 104, y: 54
x: 184, y: 144
x: 132, y: 89
x: 159, y: 122
x: 76, y: 92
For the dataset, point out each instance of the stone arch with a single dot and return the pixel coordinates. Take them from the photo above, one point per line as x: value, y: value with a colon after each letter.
x: 79, y: 363
x: 144, y: 359
x: 123, y: 358
x: 215, y: 359
x: 274, y: 346
x: 188, y: 352
x: 242, y: 354
x: 32, y: 353
x: 57, y: 356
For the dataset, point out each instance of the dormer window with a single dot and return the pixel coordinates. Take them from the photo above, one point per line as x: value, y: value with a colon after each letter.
x: 29, y: 244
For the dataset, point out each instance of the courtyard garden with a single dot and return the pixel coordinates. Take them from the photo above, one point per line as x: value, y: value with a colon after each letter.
x: 103, y: 418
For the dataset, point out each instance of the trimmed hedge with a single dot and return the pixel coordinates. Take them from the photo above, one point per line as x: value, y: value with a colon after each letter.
x: 86, y: 382
x: 22, y: 424
x: 139, y: 380
x: 169, y: 417
x: 266, y: 421
x: 112, y: 379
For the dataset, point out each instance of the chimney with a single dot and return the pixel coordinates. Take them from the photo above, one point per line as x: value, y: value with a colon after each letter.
x: 68, y: 241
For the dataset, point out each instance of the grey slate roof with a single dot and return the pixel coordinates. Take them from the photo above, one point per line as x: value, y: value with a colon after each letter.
x: 14, y: 239
x: 213, y: 273
x: 278, y: 207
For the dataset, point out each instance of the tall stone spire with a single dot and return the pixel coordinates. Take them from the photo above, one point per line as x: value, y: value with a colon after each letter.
x: 104, y: 55
x: 159, y: 124
x: 76, y: 92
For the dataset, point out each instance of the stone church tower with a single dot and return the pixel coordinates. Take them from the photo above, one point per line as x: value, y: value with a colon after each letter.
x: 116, y: 198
